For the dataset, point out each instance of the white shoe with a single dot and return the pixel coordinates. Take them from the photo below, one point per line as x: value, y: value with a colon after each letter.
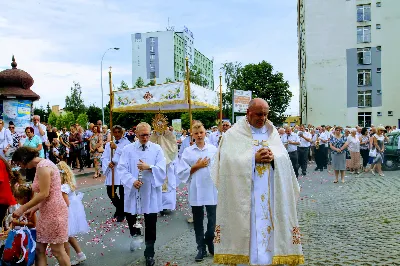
x: 79, y: 258
x: 136, y: 243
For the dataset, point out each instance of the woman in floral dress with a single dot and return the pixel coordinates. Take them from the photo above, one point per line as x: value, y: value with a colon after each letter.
x: 52, y: 225
x: 96, y: 144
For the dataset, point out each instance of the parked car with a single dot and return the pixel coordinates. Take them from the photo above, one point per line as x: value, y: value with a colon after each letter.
x: 391, y: 158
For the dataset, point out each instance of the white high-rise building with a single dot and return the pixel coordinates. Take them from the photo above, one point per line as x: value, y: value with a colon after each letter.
x: 161, y: 55
x: 348, y: 51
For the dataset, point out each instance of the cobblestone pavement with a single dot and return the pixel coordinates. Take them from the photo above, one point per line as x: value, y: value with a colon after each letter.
x: 351, y: 223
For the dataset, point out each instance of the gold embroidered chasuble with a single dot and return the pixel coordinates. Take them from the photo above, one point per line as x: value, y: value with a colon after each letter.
x: 232, y: 173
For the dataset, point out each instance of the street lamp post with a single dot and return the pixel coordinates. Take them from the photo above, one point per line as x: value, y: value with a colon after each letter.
x: 101, y: 81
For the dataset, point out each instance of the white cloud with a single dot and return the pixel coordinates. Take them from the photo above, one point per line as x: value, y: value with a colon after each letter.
x: 59, y: 42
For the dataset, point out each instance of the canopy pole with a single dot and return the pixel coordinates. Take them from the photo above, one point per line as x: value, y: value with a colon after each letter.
x: 189, y: 96
x: 112, y: 133
x: 220, y: 98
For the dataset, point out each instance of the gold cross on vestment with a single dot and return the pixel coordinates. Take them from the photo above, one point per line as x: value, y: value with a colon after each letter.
x: 263, y: 143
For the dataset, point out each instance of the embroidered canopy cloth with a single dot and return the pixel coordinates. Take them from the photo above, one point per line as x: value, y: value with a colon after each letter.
x: 232, y: 175
x: 170, y: 97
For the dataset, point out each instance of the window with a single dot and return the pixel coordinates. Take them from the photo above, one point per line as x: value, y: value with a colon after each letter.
x: 390, y: 113
x: 152, y: 75
x: 152, y: 49
x: 379, y: 48
x: 378, y: 70
x: 364, y: 77
x: 379, y: 113
x: 364, y: 34
x: 379, y: 92
x: 378, y: 26
x: 365, y: 98
x: 363, y: 13
x: 364, y: 56
x: 152, y: 57
x: 364, y: 119
x: 378, y: 4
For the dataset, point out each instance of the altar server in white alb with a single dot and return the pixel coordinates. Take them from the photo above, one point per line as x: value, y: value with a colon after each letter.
x: 194, y: 168
x: 108, y: 165
x: 257, y: 195
x: 189, y: 141
x: 148, y: 158
x: 167, y: 141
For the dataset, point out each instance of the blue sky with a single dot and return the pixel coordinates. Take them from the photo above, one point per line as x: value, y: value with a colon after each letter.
x: 61, y: 41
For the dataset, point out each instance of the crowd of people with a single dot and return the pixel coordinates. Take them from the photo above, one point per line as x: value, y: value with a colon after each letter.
x: 251, y: 158
x: 358, y: 150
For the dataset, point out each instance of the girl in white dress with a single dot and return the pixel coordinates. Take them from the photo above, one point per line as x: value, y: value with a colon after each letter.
x: 77, y: 223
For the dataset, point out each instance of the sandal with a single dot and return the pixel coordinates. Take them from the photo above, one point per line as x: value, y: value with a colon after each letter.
x: 95, y: 176
x: 335, y: 181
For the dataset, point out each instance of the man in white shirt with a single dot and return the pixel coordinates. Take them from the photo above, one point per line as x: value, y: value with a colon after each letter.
x: 215, y: 136
x: 194, y: 168
x: 108, y: 166
x: 291, y: 141
x: 142, y: 169
x: 40, y: 131
x: 324, y: 144
x: 303, y: 149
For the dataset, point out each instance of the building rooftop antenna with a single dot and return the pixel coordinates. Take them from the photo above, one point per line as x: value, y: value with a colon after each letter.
x: 170, y: 28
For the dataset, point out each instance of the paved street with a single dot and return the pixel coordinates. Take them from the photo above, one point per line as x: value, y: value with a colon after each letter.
x: 355, y: 223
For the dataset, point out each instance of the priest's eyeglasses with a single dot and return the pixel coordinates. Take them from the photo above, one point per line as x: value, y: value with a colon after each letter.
x: 144, y: 135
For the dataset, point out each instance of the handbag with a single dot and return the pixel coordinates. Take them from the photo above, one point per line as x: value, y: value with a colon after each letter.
x: 372, y: 153
x: 19, y: 247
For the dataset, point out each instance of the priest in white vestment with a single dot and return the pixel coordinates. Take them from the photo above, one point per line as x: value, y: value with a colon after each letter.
x: 143, y: 196
x: 257, y: 194
x: 167, y: 141
x: 108, y: 166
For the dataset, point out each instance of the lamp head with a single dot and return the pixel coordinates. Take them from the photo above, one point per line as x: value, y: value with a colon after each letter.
x: 116, y: 48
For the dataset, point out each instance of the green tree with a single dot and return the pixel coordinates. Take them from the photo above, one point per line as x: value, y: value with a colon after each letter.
x: 40, y: 112
x: 82, y: 120
x: 139, y: 83
x: 168, y: 80
x: 123, y: 86
x: 266, y: 84
x: 94, y: 113
x: 66, y: 120
x: 48, y: 111
x: 208, y: 118
x: 53, y: 119
x: 74, y: 103
x: 231, y: 71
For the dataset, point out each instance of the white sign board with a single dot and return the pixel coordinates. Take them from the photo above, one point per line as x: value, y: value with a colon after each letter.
x: 241, y: 101
x: 177, y: 124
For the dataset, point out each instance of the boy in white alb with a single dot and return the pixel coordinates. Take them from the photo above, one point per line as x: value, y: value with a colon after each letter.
x: 195, y: 168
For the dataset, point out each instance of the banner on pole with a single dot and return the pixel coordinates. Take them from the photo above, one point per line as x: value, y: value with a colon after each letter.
x: 177, y: 124
x: 241, y: 101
